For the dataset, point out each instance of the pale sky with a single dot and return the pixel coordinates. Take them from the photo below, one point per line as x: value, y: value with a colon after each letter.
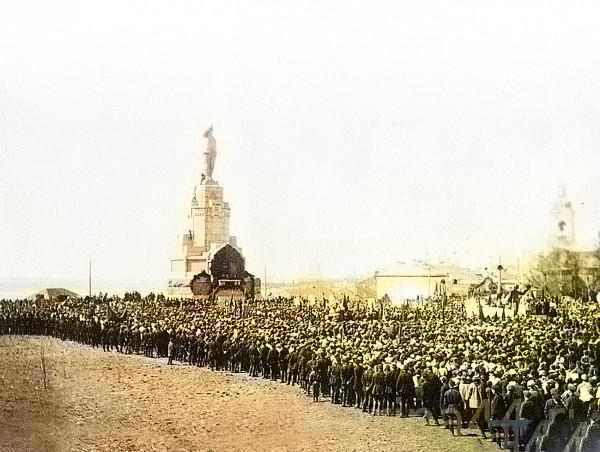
x: 350, y: 135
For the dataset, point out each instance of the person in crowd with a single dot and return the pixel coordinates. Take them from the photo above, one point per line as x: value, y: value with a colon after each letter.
x: 431, y: 393
x: 453, y: 404
x: 362, y: 359
x: 553, y: 405
x: 405, y: 388
x: 170, y: 351
x: 315, y: 383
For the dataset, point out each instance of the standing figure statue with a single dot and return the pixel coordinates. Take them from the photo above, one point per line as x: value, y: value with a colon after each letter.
x: 210, y: 154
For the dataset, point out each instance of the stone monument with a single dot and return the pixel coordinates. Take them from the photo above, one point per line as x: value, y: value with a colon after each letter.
x: 208, y: 227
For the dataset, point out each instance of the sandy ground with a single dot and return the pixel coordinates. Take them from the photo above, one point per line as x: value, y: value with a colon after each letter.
x: 98, y: 401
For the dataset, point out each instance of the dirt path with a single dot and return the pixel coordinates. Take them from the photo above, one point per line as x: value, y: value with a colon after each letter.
x: 98, y: 401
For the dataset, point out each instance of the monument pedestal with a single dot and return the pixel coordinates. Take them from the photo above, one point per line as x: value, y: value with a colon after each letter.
x: 208, y: 230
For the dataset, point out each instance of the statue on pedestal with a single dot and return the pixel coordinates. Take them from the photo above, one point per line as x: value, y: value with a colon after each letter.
x: 210, y: 156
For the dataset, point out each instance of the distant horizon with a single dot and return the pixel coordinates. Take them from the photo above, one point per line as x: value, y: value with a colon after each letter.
x: 22, y: 287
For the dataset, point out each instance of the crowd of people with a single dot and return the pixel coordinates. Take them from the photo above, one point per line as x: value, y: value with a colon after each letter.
x: 431, y: 360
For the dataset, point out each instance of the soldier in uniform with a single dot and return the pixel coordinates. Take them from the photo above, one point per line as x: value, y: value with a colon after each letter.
x: 274, y: 362
x: 347, y: 382
x: 453, y: 404
x: 335, y: 381
x: 431, y: 393
x: 367, y: 383
x: 283, y: 364
x: 405, y: 388
x: 358, y: 387
x: 264, y: 359
x: 170, y: 351
x: 254, y: 360
x: 315, y: 383
x: 292, y: 367
x: 390, y: 391
x: 378, y: 390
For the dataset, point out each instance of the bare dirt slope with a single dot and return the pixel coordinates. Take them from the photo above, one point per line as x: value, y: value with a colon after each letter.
x: 98, y: 401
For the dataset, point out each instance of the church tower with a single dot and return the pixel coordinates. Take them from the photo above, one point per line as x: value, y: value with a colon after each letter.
x: 564, y: 223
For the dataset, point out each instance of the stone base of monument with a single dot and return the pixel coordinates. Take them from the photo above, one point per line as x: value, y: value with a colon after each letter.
x: 179, y: 292
x: 225, y: 295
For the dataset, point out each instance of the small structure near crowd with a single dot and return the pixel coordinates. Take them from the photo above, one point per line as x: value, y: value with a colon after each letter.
x: 416, y: 281
x: 406, y: 281
x: 54, y: 294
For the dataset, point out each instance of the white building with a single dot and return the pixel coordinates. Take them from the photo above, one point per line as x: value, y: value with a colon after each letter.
x: 404, y: 281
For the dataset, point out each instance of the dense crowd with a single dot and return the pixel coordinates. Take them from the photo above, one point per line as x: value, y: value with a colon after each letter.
x: 432, y: 359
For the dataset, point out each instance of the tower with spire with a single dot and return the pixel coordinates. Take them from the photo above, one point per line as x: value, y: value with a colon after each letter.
x: 564, y: 221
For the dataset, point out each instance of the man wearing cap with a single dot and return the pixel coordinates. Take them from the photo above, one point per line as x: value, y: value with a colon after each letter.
x: 579, y: 409
x: 170, y: 351
x: 445, y: 385
x: 335, y: 380
x: 283, y: 363
x: 358, y: 384
x: 431, y: 391
x: 378, y: 390
x: 585, y: 390
x: 347, y: 375
x: 453, y: 404
x: 479, y: 404
x: 314, y: 383
x: 529, y: 411
x: 553, y: 405
x: 367, y: 384
x: 405, y: 388
x: 390, y: 389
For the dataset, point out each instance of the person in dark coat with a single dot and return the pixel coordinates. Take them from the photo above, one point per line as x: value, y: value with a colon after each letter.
x: 529, y: 411
x: 453, y: 404
x: 444, y: 387
x: 378, y: 390
x: 315, y: 384
x: 170, y: 351
x: 347, y: 375
x: 405, y: 388
x: 335, y: 381
x: 553, y: 404
x: 367, y: 383
x: 431, y: 391
x: 498, y: 407
x: 390, y: 391
x: 358, y: 386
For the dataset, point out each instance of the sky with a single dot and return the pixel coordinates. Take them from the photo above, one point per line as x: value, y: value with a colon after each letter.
x: 349, y: 136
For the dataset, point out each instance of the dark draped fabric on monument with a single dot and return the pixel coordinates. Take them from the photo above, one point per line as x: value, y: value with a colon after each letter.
x: 201, y: 284
x: 227, y: 264
x: 227, y: 273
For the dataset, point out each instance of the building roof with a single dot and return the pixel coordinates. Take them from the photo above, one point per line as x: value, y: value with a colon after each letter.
x: 412, y: 269
x: 52, y: 292
x: 423, y: 269
x: 216, y: 247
